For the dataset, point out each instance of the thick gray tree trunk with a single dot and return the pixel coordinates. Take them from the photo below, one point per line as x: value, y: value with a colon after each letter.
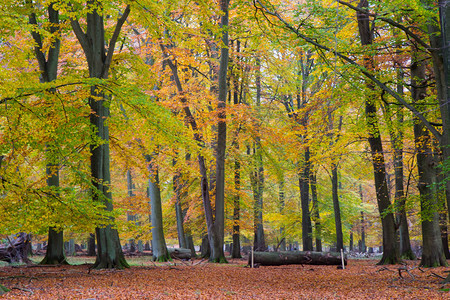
x: 109, y: 250
x: 433, y: 252
x: 159, y: 246
x: 49, y: 71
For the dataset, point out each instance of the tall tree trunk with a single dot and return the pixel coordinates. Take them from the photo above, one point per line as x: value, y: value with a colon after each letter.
x: 390, y: 248
x: 315, y: 211
x: 49, y: 68
x: 91, y: 245
x: 131, y: 217
x: 109, y: 251
x: 257, y: 176
x: 307, y: 238
x: 337, y: 209
x: 178, y: 189
x: 362, y: 241
x: 433, y: 252
x: 159, y: 246
x: 236, y: 251
x: 281, y: 199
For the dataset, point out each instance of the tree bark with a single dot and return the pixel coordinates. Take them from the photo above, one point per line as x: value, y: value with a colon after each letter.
x: 109, y: 250
x: 307, y: 238
x: 315, y: 211
x: 49, y: 72
x: 159, y: 246
x: 337, y: 209
x: 236, y: 250
x: 55, y: 249
x: 433, y: 252
x: 281, y: 200
x: 390, y: 248
x: 297, y: 258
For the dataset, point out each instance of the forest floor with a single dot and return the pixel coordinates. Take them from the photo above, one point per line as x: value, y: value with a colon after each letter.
x: 197, y: 279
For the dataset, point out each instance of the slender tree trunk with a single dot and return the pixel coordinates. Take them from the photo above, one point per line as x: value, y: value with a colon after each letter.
x: 315, y: 211
x: 257, y: 177
x: 362, y: 241
x: 390, y: 248
x: 177, y: 186
x: 159, y: 246
x: 307, y: 238
x: 337, y: 209
x: 281, y: 198
x: 236, y: 251
x: 131, y: 217
x: 109, y: 251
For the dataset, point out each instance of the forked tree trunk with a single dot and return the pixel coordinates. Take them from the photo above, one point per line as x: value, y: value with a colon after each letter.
x: 49, y: 67
x: 109, y: 250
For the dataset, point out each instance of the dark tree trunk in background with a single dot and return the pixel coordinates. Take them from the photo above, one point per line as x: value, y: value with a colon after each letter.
x: 257, y: 176
x: 315, y: 212
x: 433, y: 252
x: 362, y: 241
x: 236, y: 251
x: 109, y: 251
x: 281, y: 198
x: 178, y: 189
x: 131, y: 217
x: 390, y: 248
x: 307, y: 237
x: 337, y: 209
x: 206, y: 249
x: 91, y: 245
x: 159, y: 246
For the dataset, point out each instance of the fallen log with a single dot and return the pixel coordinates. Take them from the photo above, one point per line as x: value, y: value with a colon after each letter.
x: 17, y: 249
x: 180, y: 253
x: 296, y: 258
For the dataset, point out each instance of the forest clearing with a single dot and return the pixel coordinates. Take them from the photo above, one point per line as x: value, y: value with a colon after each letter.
x: 361, y: 279
x: 298, y: 130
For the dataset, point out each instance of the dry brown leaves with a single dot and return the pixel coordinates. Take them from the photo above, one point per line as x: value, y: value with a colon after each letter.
x: 361, y: 280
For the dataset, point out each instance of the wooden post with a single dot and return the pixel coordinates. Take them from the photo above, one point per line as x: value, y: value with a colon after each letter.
x: 342, y: 259
x: 253, y: 257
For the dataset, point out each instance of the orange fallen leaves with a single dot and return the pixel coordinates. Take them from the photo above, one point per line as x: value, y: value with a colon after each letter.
x: 361, y: 280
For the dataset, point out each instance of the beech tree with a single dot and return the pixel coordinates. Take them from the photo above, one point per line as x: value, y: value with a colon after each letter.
x: 92, y: 40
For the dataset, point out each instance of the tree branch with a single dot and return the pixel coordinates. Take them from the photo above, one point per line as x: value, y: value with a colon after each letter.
x: 113, y: 41
x: 352, y: 62
x: 390, y: 22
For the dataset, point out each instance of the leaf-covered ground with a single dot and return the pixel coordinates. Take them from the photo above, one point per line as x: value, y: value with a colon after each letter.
x: 362, y: 279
